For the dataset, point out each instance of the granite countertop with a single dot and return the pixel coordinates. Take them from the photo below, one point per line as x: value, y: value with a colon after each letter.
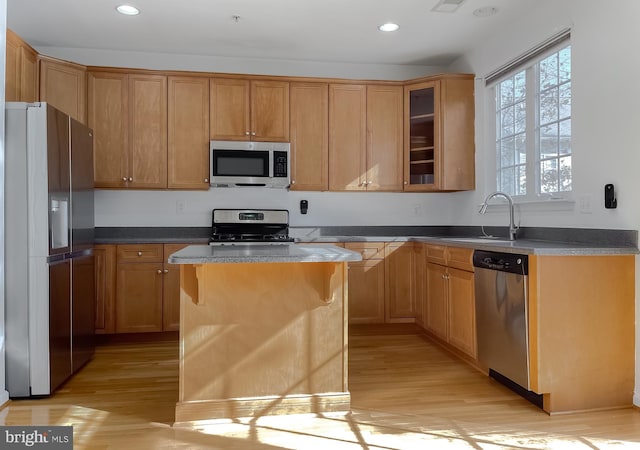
x: 261, y: 253
x: 523, y: 246
x: 538, y: 241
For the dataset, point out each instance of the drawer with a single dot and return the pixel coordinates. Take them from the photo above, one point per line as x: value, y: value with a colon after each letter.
x: 132, y: 253
x: 368, y: 250
x: 436, y: 254
x: 460, y: 258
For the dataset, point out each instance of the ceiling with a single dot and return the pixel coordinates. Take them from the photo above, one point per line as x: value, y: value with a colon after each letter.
x: 342, y: 31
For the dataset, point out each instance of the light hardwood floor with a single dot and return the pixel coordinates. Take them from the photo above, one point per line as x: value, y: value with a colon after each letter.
x: 407, y: 393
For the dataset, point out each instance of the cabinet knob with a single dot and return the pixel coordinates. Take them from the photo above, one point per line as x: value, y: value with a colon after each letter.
x: 369, y: 182
x: 159, y: 271
x: 406, y: 182
x: 139, y: 253
x: 130, y: 178
x: 253, y: 133
x: 293, y: 181
x: 246, y: 133
x: 124, y: 179
x: 166, y: 270
x: 206, y: 180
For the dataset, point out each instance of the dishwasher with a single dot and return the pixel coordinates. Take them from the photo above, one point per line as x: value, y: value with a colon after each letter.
x: 501, y: 318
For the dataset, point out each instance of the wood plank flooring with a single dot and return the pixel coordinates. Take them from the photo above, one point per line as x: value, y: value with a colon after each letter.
x: 407, y: 393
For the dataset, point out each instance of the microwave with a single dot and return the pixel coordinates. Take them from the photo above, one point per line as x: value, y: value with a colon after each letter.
x: 244, y: 163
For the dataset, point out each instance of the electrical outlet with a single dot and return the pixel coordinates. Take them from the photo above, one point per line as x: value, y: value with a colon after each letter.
x: 180, y: 206
x: 584, y: 204
x: 417, y: 209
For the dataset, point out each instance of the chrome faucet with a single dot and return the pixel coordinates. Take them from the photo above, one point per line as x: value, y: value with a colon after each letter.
x: 512, y: 227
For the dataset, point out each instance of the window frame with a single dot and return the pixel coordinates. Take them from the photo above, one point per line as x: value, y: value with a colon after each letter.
x: 527, y: 63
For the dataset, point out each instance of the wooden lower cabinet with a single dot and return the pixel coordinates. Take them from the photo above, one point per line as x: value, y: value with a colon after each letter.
x: 105, y: 277
x: 171, y: 290
x: 436, y: 300
x: 381, y: 286
x: 137, y: 291
x: 139, y: 297
x: 399, y: 289
x: 450, y: 298
x: 366, y: 283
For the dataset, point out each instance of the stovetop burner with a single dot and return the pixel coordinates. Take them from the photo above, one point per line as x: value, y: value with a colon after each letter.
x: 235, y: 226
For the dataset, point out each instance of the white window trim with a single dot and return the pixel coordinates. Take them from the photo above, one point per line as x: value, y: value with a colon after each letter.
x: 561, y: 201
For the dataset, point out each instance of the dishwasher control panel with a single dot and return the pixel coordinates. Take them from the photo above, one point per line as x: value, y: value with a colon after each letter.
x: 503, y: 262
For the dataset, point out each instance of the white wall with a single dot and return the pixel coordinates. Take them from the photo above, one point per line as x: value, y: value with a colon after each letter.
x: 605, y: 116
x: 175, y: 208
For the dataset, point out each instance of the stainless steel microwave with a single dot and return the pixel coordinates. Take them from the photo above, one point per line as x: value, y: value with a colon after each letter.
x: 243, y: 163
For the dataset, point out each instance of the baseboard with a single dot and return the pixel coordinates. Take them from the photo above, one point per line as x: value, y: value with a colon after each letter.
x: 261, y: 406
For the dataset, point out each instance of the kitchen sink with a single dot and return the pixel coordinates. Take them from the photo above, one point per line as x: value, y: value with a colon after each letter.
x: 483, y: 239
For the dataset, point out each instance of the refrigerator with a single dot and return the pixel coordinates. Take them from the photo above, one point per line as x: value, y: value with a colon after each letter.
x: 49, y: 262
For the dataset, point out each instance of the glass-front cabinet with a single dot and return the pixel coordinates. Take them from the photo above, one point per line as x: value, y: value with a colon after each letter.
x: 422, y: 133
x: 439, y: 151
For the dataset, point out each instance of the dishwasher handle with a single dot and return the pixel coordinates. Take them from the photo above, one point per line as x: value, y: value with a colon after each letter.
x: 502, y: 262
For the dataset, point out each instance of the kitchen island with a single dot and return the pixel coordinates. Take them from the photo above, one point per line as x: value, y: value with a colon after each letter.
x: 263, y: 330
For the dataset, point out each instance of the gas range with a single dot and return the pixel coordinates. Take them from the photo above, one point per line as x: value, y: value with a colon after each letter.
x: 250, y: 226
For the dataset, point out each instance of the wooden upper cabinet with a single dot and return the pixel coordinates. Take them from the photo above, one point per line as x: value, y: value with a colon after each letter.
x: 439, y: 150
x: 365, y: 137
x: 230, y: 105
x: 148, y: 131
x: 270, y: 111
x: 245, y: 110
x: 347, y: 137
x: 188, y: 133
x: 12, y: 68
x: 63, y: 85
x: 21, y: 72
x: 384, y: 138
x: 309, y: 136
x: 109, y: 118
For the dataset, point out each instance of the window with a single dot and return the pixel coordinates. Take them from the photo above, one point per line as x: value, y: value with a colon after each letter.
x: 533, y: 124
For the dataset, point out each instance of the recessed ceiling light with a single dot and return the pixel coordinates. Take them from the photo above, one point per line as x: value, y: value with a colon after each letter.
x: 389, y: 27
x: 485, y: 11
x: 128, y: 10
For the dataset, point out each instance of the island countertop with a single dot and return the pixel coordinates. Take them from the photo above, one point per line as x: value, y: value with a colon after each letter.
x: 262, y: 253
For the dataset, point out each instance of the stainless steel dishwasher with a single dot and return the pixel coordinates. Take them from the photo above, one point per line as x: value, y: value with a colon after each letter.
x: 501, y: 315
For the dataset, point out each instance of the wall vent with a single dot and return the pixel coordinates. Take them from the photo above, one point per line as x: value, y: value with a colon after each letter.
x: 447, y: 6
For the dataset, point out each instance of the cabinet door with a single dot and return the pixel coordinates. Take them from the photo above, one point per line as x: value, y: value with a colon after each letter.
x: 105, y: 275
x: 139, y: 297
x: 63, y: 85
x: 12, y: 67
x: 28, y: 75
x: 384, y: 138
x: 270, y: 111
x: 229, y: 109
x: 21, y: 65
x: 309, y: 136
x: 421, y: 137
x: 171, y: 290
x: 347, y: 137
x: 109, y: 119
x: 399, y: 296
x: 419, y: 282
x: 148, y: 131
x: 462, y: 312
x: 457, y: 145
x: 366, y: 291
x: 436, y: 310
x: 188, y: 133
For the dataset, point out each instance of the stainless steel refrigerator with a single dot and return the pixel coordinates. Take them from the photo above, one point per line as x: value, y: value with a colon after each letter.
x: 49, y: 263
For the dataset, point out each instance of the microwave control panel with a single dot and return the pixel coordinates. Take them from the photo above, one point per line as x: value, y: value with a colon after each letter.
x: 280, y: 164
